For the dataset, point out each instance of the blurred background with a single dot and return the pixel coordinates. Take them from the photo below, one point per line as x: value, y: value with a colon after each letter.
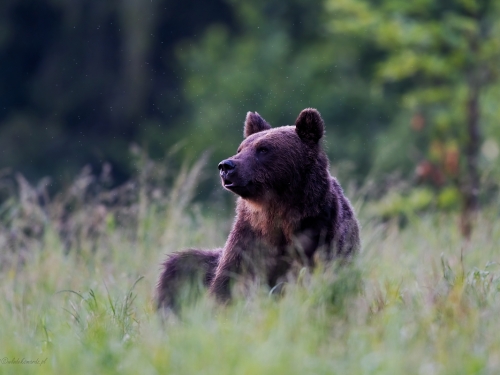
x: 409, y: 90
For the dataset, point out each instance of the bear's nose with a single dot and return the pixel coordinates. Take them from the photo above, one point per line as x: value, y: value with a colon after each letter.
x: 226, y: 166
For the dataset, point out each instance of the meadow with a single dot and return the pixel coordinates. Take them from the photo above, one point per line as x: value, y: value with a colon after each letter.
x: 78, y: 291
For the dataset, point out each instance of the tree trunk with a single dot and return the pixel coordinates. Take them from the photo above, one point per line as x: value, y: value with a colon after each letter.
x: 470, y: 188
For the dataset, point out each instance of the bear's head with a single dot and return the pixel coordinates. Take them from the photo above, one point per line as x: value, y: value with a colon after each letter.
x: 277, y: 162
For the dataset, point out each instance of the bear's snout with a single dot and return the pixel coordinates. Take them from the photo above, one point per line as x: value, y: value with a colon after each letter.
x: 226, y: 169
x: 226, y: 166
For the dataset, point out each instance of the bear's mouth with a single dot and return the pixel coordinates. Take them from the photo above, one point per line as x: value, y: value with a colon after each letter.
x: 227, y: 183
x: 241, y: 190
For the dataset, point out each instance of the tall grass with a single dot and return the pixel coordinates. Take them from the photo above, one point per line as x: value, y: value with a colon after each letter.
x: 78, y: 272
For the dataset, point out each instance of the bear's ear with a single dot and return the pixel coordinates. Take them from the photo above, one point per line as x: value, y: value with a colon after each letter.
x: 254, y: 124
x: 309, y: 125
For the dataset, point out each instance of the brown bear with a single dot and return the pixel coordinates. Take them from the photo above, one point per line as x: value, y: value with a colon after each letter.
x: 289, y: 209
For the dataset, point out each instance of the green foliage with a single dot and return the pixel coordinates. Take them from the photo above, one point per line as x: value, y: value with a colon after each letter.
x: 390, y: 78
x: 80, y: 82
x: 279, y: 62
x: 415, y: 300
x: 396, y: 204
x: 441, y: 57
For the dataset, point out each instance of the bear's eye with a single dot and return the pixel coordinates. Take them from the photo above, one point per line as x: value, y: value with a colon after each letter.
x: 262, y: 150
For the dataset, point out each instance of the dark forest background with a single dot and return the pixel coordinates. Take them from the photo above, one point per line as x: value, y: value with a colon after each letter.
x: 400, y: 85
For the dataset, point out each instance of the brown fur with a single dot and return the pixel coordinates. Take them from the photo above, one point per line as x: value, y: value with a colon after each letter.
x: 289, y: 208
x: 183, y: 271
